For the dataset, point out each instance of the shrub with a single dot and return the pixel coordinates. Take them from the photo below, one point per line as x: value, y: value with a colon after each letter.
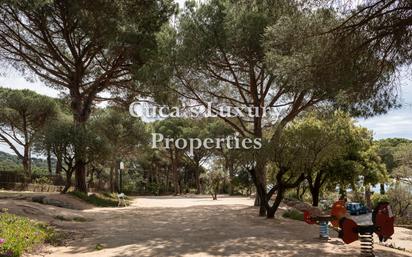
x: 213, y: 179
x: 293, y: 214
x: 376, y: 198
x: 153, y: 188
x: 400, y: 199
x: 19, y: 234
x: 43, y: 181
x: 96, y: 199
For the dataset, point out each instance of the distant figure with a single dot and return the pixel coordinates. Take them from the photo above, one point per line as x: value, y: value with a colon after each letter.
x: 122, y: 200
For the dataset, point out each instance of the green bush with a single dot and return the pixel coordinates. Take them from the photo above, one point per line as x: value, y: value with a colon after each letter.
x: 43, y: 181
x: 19, y: 234
x: 153, y: 188
x: 376, y: 198
x: 97, y: 199
x: 293, y: 214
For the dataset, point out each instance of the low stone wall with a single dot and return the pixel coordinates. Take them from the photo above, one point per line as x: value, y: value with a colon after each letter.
x: 31, y: 187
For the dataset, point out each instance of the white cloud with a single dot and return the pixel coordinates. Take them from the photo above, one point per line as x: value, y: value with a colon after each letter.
x: 390, y: 126
x: 396, y: 123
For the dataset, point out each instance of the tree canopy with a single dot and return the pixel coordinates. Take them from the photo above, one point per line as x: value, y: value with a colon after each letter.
x: 23, y: 114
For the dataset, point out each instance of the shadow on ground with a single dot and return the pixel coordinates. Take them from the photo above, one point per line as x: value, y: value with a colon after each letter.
x: 203, y: 230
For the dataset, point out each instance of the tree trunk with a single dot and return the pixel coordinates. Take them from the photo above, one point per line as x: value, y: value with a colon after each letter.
x: 81, y: 109
x: 298, y: 193
x: 342, y: 192
x: 91, y: 178
x: 302, y: 193
x: 263, y: 199
x: 111, y: 179
x: 355, y: 191
x: 49, y: 164
x: 315, y: 196
x: 197, y: 178
x: 175, y: 174
x: 59, y: 165
x: 257, y: 199
x: 368, y: 196
x: 272, y: 210
x: 259, y: 178
x: 231, y: 171
x: 116, y: 178
x: 167, y: 179
x: 80, y: 176
x: 314, y: 188
x: 69, y: 173
x: 382, y: 188
x: 27, y: 163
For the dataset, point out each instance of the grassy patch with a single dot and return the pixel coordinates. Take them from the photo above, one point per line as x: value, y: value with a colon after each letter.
x: 97, y: 199
x: 99, y: 247
x: 19, y: 234
x: 293, y: 214
x: 65, y: 218
x: 62, y: 218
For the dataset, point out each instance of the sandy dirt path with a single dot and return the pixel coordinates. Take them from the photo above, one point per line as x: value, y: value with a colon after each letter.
x: 197, y: 226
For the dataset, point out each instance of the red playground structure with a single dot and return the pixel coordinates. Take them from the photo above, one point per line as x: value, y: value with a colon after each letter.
x: 382, y: 225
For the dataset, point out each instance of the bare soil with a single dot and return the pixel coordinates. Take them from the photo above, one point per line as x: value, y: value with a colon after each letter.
x: 187, y: 226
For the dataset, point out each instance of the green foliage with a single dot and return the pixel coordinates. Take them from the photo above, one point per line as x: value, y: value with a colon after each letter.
x: 213, y: 180
x: 293, y: 214
x: 403, y: 161
x: 315, y: 141
x: 263, y: 35
x: 23, y: 115
x: 25, y: 110
x: 121, y: 132
x: 64, y: 218
x: 9, y: 162
x: 96, y: 199
x: 21, y: 234
x: 66, y: 140
x: 275, y: 55
x: 43, y: 181
x: 94, y: 48
x: 387, y: 148
x: 153, y: 188
x: 242, y: 181
x: 99, y: 247
x: 376, y: 198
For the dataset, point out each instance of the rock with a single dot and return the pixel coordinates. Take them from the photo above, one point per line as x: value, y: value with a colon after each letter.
x: 38, y: 198
x: 301, y: 206
x: 57, y: 203
x: 49, y: 201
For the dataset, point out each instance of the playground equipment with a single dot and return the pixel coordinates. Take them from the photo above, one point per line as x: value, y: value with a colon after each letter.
x: 382, y: 225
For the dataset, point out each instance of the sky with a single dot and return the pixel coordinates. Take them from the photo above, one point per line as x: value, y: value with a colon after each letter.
x: 396, y: 123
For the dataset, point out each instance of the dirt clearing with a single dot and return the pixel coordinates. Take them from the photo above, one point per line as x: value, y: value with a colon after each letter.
x: 191, y: 226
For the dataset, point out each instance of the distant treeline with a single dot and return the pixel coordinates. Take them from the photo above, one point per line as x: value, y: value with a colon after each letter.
x: 9, y: 162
